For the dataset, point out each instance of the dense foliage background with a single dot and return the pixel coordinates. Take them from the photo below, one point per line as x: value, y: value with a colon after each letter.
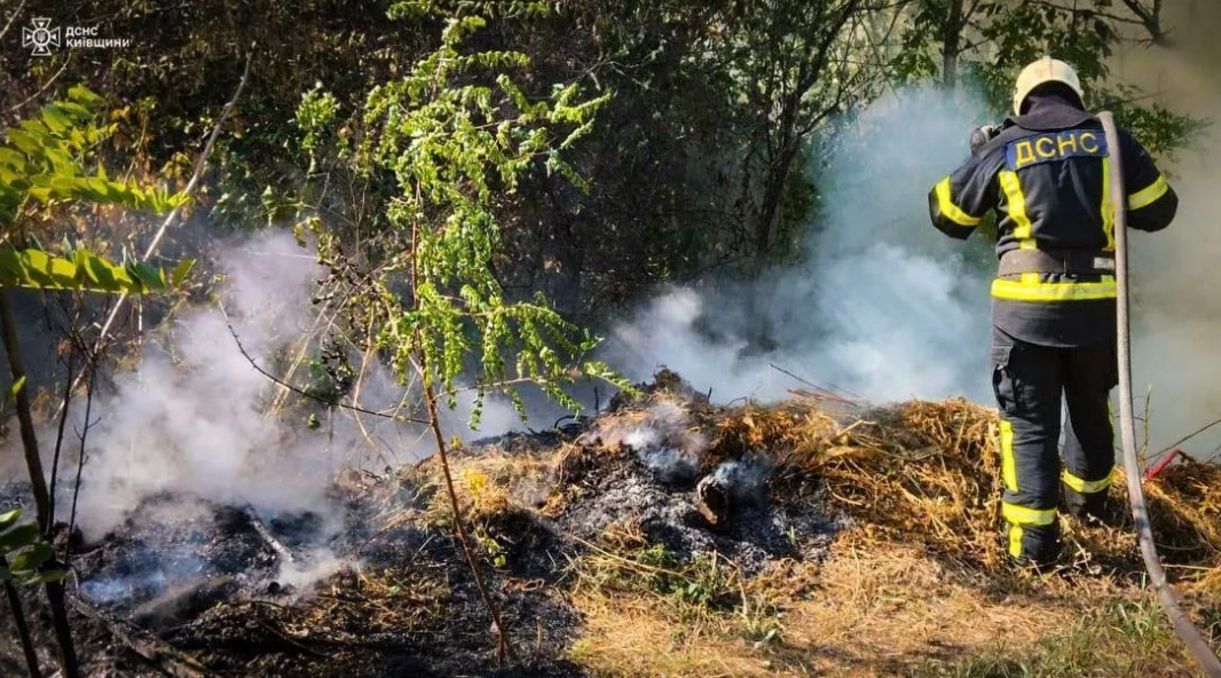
x: 696, y: 165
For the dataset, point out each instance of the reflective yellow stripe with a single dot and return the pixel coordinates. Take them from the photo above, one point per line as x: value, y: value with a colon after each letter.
x: 1015, y: 541
x: 1108, y: 212
x: 1020, y: 515
x: 1085, y: 486
x: 1028, y: 289
x: 1016, y: 200
x: 1008, y: 465
x: 1148, y: 194
x: 951, y: 211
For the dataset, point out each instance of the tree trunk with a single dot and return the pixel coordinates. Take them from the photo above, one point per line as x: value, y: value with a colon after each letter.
x: 768, y: 215
x: 950, y: 41
x: 29, y: 439
x: 38, y: 482
x: 23, y: 631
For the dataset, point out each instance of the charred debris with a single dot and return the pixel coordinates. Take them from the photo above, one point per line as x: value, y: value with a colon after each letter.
x: 376, y: 584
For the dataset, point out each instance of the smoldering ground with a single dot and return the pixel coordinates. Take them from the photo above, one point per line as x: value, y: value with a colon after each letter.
x: 193, y: 418
x: 884, y: 307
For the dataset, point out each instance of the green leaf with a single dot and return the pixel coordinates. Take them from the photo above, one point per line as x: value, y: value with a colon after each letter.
x: 181, y: 271
x: 85, y: 271
x: 149, y: 276
x: 9, y: 518
x: 83, y: 96
x: 30, y: 558
x: 52, y: 575
x: 18, y: 537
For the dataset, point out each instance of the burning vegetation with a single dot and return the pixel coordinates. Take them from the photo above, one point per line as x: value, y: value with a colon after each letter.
x: 666, y: 535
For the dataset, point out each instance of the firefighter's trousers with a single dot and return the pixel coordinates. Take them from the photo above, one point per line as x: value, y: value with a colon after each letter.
x: 1028, y: 380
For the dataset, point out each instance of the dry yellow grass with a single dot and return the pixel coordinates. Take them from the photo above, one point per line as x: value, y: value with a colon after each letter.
x: 635, y: 635
x: 873, y: 609
x: 921, y: 579
x: 881, y: 607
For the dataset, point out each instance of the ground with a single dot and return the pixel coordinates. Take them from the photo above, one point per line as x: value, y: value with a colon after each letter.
x: 666, y: 536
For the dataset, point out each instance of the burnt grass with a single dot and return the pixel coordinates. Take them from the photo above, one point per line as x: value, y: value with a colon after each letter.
x: 193, y: 581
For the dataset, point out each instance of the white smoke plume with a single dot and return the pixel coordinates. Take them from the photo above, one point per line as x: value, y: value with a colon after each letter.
x: 1175, y: 272
x: 316, y: 565
x: 664, y: 440
x: 191, y: 418
x: 885, y: 307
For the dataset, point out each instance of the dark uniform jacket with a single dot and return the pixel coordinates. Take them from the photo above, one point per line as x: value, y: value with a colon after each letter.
x: 1046, y: 174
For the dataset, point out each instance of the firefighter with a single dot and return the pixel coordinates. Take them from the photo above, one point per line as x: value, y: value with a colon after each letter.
x: 1044, y: 170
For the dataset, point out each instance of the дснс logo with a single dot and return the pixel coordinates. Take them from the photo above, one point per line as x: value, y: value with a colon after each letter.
x: 40, y: 36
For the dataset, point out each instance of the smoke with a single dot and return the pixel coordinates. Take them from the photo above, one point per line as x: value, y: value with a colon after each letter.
x: 743, y: 480
x: 192, y: 417
x: 316, y: 565
x: 885, y: 307
x: 1175, y: 273
x: 665, y: 441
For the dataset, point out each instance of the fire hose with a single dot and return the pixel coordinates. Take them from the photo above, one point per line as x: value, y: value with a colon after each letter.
x: 1183, y: 627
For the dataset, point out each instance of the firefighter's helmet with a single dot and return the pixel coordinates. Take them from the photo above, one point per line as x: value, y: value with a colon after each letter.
x: 1043, y: 71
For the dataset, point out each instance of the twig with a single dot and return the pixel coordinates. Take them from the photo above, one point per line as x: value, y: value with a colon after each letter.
x: 12, y: 17
x: 283, y: 635
x: 833, y: 391
x: 360, y: 424
x: 200, y: 163
x: 80, y: 461
x: 504, y: 648
x: 156, y: 651
x: 1187, y: 437
x: 275, y: 544
x: 59, y: 430
x: 23, y: 629
x: 45, y: 86
x: 306, y: 394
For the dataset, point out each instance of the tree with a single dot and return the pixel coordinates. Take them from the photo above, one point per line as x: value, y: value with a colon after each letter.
x: 42, y: 167
x: 988, y: 41
x: 793, y: 77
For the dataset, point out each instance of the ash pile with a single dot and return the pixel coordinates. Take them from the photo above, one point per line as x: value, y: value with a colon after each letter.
x: 656, y: 467
x: 376, y: 584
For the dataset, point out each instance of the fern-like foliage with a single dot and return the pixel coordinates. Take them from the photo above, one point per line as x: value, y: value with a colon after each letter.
x: 42, y: 159
x: 42, y: 162
x: 457, y: 134
x: 85, y: 271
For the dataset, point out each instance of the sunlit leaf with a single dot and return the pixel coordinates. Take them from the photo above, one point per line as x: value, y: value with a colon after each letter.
x: 9, y: 518
x: 13, y: 391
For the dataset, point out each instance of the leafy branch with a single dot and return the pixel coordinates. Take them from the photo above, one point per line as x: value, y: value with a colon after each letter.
x: 456, y: 135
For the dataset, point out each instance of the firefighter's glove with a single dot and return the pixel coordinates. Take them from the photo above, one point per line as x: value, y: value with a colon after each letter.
x: 983, y: 135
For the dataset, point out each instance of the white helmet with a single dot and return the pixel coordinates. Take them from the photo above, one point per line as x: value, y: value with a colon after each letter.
x: 1043, y: 71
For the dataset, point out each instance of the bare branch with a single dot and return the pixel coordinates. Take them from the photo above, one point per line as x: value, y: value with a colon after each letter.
x: 11, y: 19
x: 306, y: 394
x: 200, y: 163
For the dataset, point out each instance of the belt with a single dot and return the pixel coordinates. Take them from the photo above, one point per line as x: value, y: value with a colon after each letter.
x: 1079, y: 262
